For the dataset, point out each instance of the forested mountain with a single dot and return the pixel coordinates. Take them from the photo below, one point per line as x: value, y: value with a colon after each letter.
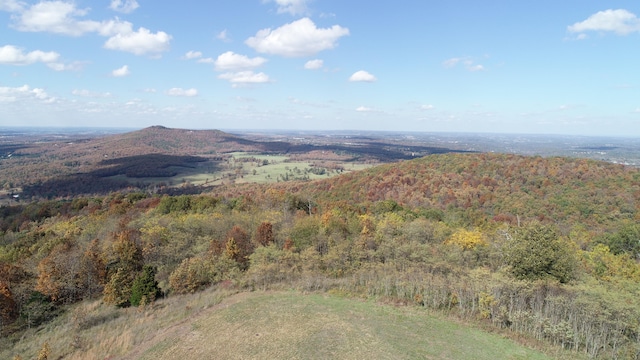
x: 547, y: 248
x: 497, y: 187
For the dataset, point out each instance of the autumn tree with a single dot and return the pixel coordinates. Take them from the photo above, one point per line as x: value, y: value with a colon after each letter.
x: 59, y: 273
x: 264, y: 233
x: 8, y: 308
x: 197, y: 273
x: 93, y: 270
x: 238, y: 246
x: 125, y: 262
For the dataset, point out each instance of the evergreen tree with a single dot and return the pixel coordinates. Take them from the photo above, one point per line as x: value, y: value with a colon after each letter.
x: 145, y: 287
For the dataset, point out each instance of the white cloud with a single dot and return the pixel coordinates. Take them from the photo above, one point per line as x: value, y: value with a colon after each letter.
x: 293, y: 7
x: 126, y: 6
x: 57, y: 17
x: 427, y: 107
x: 12, y: 94
x: 120, y: 72
x: 231, y: 61
x: 182, y: 92
x: 62, y: 17
x: 223, y: 35
x: 207, y: 60
x: 620, y: 21
x: 245, y: 77
x: 74, y: 66
x: 296, y: 39
x: 190, y: 55
x: 362, y: 76
x: 468, y: 63
x: 140, y: 42
x: 12, y: 55
x: 314, y: 64
x: 11, y: 5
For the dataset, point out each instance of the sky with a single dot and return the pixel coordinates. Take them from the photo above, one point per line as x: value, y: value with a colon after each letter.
x: 529, y: 67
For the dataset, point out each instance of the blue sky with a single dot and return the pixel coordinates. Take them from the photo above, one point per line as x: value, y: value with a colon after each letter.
x: 543, y: 67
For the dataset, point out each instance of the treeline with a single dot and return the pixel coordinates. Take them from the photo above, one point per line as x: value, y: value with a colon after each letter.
x: 566, y: 282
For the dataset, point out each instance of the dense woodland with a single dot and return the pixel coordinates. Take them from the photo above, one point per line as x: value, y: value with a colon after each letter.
x: 547, y: 248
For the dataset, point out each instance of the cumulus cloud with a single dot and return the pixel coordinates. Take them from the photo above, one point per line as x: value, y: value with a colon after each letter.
x: 11, y: 5
x: 362, y: 76
x: 296, y: 39
x: 620, y: 21
x: 314, y: 64
x: 230, y: 61
x: 427, y: 107
x: 12, y: 55
x: 245, y: 77
x: 120, y: 72
x: 182, y: 92
x: 140, y: 42
x: 12, y: 94
x: 65, y: 18
x: 126, y: 6
x: 293, y: 7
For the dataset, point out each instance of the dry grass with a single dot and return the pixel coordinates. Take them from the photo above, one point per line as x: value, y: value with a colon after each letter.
x: 219, y: 324
x: 93, y: 330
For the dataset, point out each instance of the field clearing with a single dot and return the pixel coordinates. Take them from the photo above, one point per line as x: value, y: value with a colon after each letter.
x: 262, y: 325
x: 275, y: 168
x: 294, y: 326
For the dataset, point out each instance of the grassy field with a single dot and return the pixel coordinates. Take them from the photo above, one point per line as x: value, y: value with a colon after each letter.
x: 262, y: 325
x: 276, y: 168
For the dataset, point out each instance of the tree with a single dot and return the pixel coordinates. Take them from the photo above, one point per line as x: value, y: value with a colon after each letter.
x: 145, y: 288
x: 8, y: 308
x: 126, y: 262
x: 625, y: 241
x: 467, y: 239
x: 238, y: 246
x: 264, y: 234
x: 59, y: 273
x: 537, y: 252
x: 93, y: 270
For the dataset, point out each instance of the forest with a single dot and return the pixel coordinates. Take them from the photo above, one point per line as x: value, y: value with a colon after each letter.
x: 546, y: 248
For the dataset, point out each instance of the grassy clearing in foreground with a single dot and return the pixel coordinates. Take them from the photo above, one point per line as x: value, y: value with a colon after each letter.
x: 222, y: 324
x: 295, y: 326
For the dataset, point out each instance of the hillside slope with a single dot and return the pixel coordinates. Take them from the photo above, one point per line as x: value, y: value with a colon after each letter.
x: 502, y: 187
